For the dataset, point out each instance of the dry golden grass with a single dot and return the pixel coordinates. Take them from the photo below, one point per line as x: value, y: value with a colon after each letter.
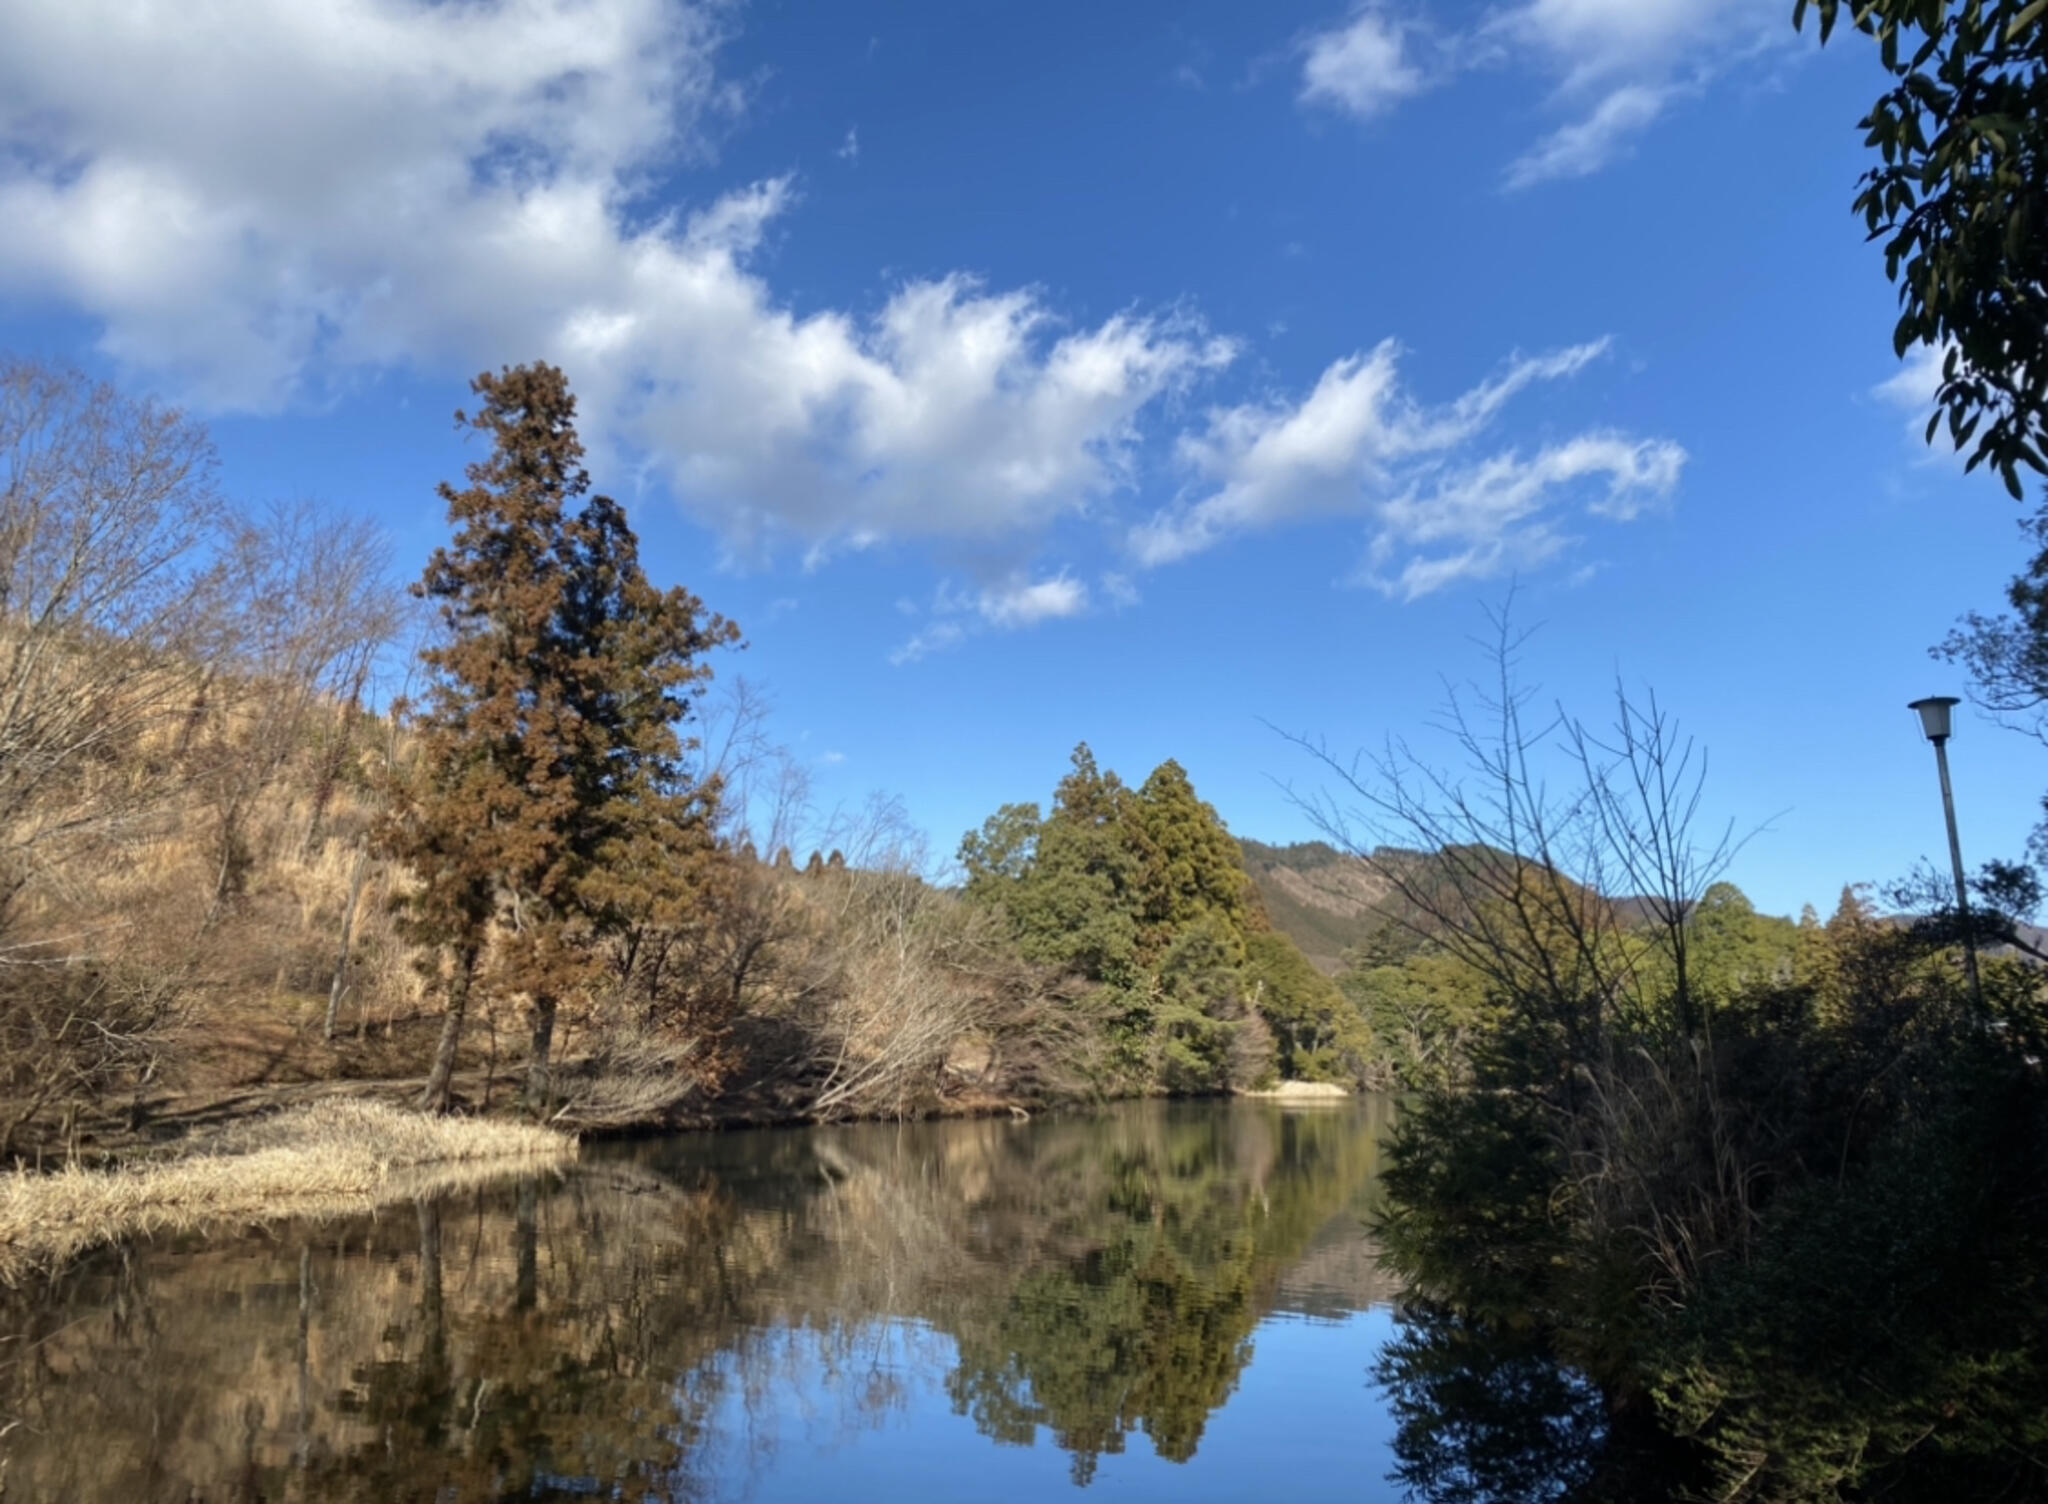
x: 1301, y: 1091
x: 330, y: 1159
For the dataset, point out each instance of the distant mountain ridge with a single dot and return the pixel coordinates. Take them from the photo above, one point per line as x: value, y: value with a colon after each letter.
x: 1325, y: 900
x: 1328, y: 901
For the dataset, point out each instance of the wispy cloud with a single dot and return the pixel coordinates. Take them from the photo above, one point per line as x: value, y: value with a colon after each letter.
x: 1614, y: 67
x: 1359, y: 445
x: 1507, y: 513
x: 935, y: 638
x: 1911, y: 390
x: 1006, y: 605
x: 1585, y: 146
x: 1022, y: 603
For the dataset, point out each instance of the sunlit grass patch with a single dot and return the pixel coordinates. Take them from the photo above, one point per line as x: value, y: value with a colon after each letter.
x: 330, y: 1159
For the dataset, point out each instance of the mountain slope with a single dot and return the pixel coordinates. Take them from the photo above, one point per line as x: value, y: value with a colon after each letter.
x: 1323, y: 899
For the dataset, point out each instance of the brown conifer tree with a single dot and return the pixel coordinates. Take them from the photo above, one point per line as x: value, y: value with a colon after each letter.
x: 550, y: 765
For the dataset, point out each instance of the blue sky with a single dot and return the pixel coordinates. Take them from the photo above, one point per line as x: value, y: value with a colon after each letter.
x: 1154, y: 375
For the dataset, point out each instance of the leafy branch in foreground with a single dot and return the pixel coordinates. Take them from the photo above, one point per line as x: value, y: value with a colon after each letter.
x: 1960, y: 198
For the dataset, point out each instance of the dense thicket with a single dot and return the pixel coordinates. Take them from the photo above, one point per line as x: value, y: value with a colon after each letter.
x: 1749, y: 1210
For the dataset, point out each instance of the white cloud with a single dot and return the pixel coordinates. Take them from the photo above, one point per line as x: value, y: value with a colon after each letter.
x: 240, y: 187
x: 1614, y: 65
x: 1912, y: 390
x: 1357, y: 437
x: 1632, y: 58
x: 1009, y: 604
x: 935, y: 638
x: 262, y: 203
x: 849, y: 149
x: 1019, y: 602
x: 1502, y: 513
x: 1585, y: 146
x: 1361, y: 68
x: 1591, y: 43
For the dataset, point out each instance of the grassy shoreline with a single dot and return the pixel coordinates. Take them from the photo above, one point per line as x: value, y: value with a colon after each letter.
x: 343, y: 1156
x: 329, y: 1159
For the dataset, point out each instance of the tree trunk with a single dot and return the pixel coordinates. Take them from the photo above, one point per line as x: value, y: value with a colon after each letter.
x: 536, y: 1099
x: 435, y: 1097
x: 433, y: 1319
x: 526, y: 1285
x: 339, y: 985
x: 228, y: 874
x: 336, y: 754
x: 303, y: 1452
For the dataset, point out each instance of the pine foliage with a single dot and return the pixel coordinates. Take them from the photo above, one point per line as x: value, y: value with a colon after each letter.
x: 551, y: 806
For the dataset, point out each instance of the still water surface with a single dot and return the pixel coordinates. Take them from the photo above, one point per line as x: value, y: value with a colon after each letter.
x: 1159, y: 1301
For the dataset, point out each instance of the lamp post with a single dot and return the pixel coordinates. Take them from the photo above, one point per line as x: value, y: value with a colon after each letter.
x: 1934, y: 721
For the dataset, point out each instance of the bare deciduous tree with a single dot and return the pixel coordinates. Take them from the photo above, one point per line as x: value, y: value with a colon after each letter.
x: 111, y: 596
x: 1573, y: 899
x: 1541, y: 887
x: 314, y: 607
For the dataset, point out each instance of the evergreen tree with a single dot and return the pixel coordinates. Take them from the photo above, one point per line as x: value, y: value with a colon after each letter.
x: 1144, y: 893
x: 1189, y: 868
x: 999, y: 856
x: 551, y: 794
x: 1734, y: 948
x: 1201, y: 1005
x: 1076, y: 904
x: 1319, y: 1031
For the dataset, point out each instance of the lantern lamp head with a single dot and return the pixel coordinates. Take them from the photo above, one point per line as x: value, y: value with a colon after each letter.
x: 1934, y: 715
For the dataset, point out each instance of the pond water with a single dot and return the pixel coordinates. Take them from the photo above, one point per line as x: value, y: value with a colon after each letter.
x: 1161, y: 1300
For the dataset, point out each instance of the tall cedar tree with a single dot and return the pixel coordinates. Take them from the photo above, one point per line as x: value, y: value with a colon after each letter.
x: 1190, y: 866
x: 551, y: 770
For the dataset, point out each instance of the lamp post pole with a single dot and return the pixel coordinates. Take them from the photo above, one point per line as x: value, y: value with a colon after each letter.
x: 1934, y: 720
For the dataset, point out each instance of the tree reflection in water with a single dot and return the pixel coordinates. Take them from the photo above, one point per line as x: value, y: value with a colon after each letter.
x: 633, y: 1329
x: 1486, y: 1415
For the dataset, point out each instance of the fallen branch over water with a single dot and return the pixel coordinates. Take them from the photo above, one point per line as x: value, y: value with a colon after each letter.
x: 330, y: 1159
